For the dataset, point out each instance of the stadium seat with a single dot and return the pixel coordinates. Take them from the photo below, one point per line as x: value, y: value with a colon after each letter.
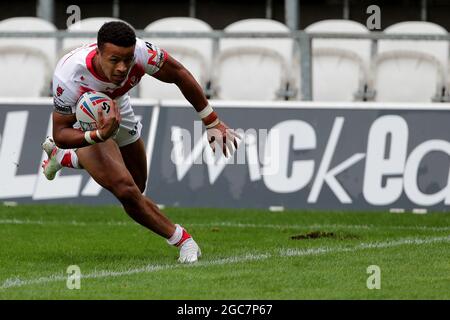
x: 84, y: 25
x: 253, y: 69
x: 28, y: 62
x: 340, y: 66
x: 411, y: 71
x: 194, y: 54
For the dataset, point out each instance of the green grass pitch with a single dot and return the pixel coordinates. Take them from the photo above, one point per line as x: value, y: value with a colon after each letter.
x: 247, y: 254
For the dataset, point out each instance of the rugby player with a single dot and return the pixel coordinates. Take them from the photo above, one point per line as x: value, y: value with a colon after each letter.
x: 114, y: 153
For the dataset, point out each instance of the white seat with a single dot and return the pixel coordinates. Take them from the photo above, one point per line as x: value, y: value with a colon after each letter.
x: 253, y: 69
x: 28, y: 62
x: 194, y: 54
x: 28, y: 72
x: 411, y: 71
x: 340, y: 66
x: 84, y: 25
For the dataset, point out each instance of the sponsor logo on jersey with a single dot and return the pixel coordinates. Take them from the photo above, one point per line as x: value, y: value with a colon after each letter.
x: 149, y: 45
x: 61, y: 107
x: 134, y: 131
x: 59, y: 90
x: 161, y: 59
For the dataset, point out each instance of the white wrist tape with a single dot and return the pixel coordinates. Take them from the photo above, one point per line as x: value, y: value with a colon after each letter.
x: 205, y: 112
x: 87, y: 137
x: 98, y: 135
x: 213, y: 124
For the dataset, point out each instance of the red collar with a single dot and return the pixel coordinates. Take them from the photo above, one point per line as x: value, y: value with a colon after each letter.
x: 90, y: 66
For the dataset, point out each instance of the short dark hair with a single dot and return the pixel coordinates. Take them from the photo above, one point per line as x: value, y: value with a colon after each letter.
x: 116, y: 32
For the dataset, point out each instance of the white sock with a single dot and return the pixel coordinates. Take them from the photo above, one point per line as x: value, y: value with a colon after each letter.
x: 68, y: 158
x: 176, y: 237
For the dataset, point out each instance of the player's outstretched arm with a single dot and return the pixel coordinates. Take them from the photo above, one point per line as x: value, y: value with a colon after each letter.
x: 66, y: 137
x: 218, y: 132
x: 174, y: 72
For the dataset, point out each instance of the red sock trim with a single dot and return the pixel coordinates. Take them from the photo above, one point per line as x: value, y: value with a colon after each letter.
x: 184, y: 237
x: 67, y: 160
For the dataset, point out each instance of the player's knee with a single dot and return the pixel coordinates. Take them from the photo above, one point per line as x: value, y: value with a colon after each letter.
x: 126, y: 191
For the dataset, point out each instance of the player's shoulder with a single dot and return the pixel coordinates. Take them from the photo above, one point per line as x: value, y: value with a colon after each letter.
x: 73, y: 62
x: 146, y: 47
x: 141, y: 48
x: 142, y: 44
x: 149, y: 55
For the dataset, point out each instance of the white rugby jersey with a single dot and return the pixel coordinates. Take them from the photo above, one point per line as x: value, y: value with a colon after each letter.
x: 75, y: 75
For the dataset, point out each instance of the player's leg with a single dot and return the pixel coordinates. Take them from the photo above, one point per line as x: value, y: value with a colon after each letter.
x: 135, y: 159
x: 104, y: 163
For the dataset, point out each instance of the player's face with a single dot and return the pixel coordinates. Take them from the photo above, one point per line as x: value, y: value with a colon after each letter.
x: 116, y: 61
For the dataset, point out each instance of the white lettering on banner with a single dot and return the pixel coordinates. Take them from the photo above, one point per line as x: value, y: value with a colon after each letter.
x: 181, y: 139
x: 269, y: 151
x: 91, y: 189
x: 11, y: 185
x: 214, y: 163
x: 380, y: 165
x: 183, y: 156
x: 61, y: 186
x: 329, y: 176
x: 276, y: 171
x: 386, y: 156
x: 254, y: 169
x: 411, y: 174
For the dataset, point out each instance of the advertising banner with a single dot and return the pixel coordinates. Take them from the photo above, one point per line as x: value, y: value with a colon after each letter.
x: 307, y: 156
x: 291, y: 155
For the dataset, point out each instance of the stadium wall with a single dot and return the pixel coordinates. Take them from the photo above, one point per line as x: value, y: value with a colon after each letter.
x: 308, y: 155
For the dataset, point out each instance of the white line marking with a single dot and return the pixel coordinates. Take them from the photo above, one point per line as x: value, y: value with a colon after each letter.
x: 231, y: 225
x: 287, y: 252
x: 315, y: 226
x: 362, y: 246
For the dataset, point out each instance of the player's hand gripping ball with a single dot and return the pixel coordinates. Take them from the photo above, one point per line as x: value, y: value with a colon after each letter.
x: 93, y: 112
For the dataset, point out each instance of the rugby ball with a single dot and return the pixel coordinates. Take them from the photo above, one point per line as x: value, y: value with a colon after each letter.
x: 87, y: 109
